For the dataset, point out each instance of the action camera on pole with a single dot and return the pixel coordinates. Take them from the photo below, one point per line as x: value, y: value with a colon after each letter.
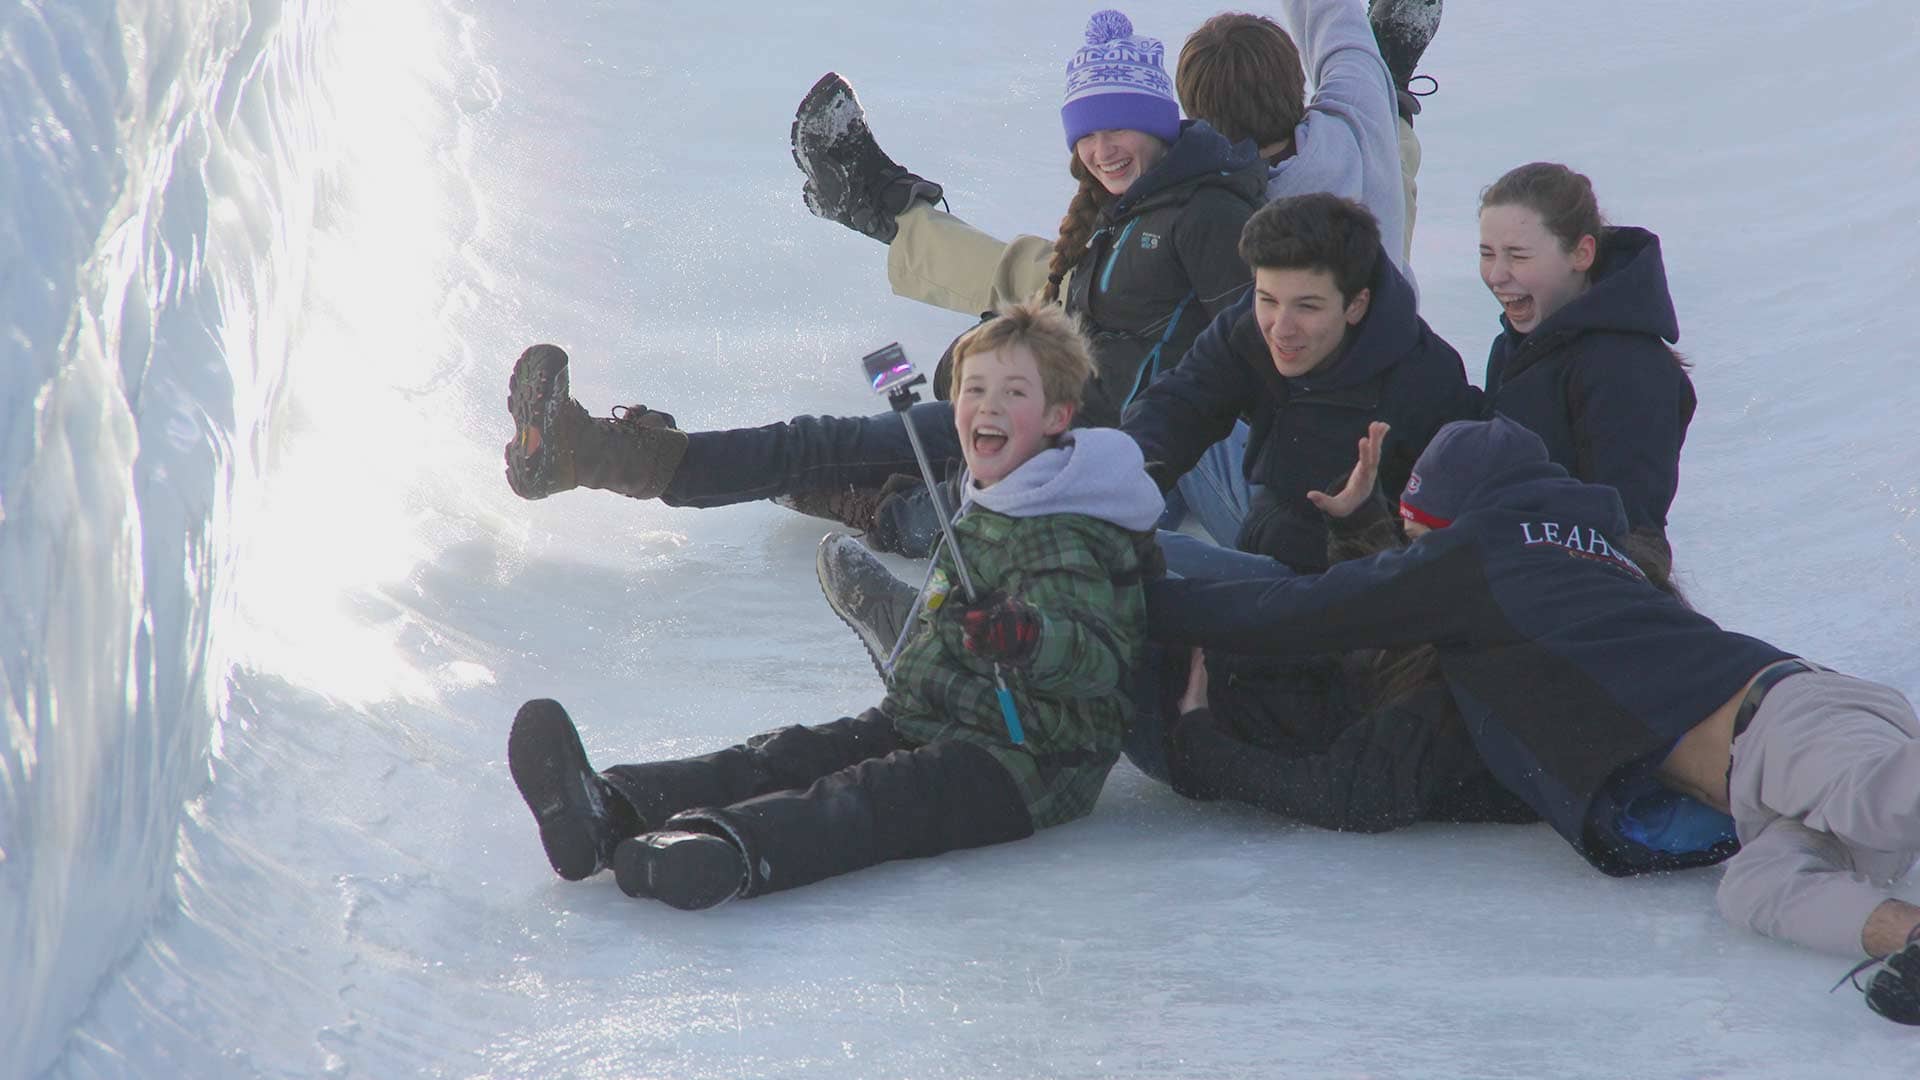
x: 889, y: 372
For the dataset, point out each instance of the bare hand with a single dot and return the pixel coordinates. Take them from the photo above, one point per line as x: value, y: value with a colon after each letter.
x: 1196, y: 695
x: 1359, y: 482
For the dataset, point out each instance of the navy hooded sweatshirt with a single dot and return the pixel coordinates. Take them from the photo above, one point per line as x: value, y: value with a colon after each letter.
x: 1598, y: 384
x: 1304, y: 429
x: 1574, y: 675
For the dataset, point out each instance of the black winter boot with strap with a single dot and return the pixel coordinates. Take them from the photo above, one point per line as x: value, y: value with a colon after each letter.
x: 1403, y: 29
x: 1893, y: 986
x: 581, y: 817
x: 849, y: 178
x: 556, y: 446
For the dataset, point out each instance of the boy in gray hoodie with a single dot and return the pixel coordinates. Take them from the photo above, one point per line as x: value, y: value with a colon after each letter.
x: 1056, y: 538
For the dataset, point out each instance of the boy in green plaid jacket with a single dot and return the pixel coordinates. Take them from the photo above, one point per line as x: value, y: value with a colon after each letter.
x: 1056, y: 532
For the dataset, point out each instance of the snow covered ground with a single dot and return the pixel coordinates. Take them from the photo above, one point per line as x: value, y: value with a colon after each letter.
x: 269, y: 607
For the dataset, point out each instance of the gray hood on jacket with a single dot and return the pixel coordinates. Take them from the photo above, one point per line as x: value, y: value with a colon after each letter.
x: 1098, y: 472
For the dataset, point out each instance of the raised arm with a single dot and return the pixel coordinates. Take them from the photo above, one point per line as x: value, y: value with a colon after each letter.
x: 1351, y: 131
x: 1432, y: 591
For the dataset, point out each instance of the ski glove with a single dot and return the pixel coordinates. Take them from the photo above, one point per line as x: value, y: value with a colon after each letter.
x: 1001, y: 628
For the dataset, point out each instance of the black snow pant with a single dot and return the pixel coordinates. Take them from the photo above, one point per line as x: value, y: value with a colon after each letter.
x: 808, y: 803
x: 1301, y: 743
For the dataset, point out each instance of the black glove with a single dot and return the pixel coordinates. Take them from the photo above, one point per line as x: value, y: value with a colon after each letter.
x: 1001, y: 628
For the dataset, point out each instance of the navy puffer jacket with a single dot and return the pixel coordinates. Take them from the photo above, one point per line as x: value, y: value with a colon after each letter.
x: 1598, y: 383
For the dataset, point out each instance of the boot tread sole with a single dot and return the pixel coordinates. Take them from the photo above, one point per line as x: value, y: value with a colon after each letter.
x: 535, y: 394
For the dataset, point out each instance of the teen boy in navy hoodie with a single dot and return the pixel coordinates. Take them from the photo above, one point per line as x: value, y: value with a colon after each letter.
x: 1650, y: 738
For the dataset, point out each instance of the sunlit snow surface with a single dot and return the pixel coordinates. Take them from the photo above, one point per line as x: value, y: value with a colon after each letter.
x: 263, y: 280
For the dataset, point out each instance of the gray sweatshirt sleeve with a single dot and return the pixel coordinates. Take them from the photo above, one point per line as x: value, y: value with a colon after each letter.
x: 1349, y: 143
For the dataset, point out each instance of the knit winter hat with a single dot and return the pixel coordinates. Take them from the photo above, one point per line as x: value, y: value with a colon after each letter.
x: 1462, y: 456
x: 1116, y: 81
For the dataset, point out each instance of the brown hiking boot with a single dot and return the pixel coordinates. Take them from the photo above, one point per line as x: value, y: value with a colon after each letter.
x: 556, y: 446
x: 857, y: 508
x: 852, y: 507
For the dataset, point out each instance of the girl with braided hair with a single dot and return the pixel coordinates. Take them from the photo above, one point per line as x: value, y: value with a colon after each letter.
x: 1147, y: 252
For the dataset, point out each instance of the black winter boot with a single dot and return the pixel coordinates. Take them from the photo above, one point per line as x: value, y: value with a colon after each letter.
x: 580, y: 817
x: 1403, y: 29
x: 1893, y: 990
x: 849, y: 178
x: 556, y: 446
x: 865, y: 594
x: 687, y: 870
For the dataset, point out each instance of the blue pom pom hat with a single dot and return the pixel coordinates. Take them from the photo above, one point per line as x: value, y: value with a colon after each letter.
x: 1117, y: 80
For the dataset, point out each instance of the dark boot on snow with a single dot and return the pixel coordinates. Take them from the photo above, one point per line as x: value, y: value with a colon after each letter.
x: 581, y: 818
x: 1403, y: 29
x: 849, y: 178
x: 687, y: 870
x: 856, y: 508
x: 557, y: 447
x: 865, y: 594
x: 895, y: 518
x: 1893, y: 990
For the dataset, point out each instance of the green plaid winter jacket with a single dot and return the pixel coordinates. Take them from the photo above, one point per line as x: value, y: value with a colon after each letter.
x: 1085, y: 577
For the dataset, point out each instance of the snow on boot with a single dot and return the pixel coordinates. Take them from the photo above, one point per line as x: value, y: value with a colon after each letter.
x: 580, y: 817
x: 1403, y: 28
x: 865, y: 594
x: 556, y: 446
x: 849, y: 178
x: 687, y: 870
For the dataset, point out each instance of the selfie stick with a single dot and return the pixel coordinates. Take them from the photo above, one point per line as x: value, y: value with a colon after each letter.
x: 901, y: 396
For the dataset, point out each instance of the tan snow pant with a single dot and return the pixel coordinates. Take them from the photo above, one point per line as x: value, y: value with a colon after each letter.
x: 1409, y: 173
x: 1825, y: 792
x: 941, y: 260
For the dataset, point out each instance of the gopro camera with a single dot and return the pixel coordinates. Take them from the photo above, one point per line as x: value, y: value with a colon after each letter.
x: 888, y: 368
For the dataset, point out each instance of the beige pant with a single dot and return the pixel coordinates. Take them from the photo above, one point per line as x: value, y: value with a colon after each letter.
x: 1825, y: 791
x: 1409, y: 173
x: 938, y: 259
x: 941, y: 260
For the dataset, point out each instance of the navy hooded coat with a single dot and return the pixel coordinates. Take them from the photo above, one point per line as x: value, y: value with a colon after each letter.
x: 1597, y: 382
x: 1304, y: 429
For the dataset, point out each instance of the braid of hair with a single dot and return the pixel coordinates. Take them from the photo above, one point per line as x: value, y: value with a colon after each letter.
x: 1076, y: 228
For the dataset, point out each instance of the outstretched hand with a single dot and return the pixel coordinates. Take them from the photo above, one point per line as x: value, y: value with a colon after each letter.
x: 1366, y: 471
x: 1195, y: 696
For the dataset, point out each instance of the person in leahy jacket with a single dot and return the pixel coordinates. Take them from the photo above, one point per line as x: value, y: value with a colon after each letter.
x: 1646, y: 735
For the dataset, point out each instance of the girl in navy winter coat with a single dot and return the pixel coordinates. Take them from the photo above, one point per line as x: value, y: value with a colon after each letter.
x: 1583, y: 359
